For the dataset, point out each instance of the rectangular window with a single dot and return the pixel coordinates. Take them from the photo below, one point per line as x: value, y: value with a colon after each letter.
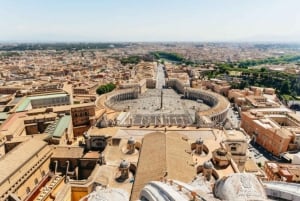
x: 233, y: 148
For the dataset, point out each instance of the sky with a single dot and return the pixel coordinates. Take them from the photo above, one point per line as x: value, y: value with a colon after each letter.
x: 149, y: 20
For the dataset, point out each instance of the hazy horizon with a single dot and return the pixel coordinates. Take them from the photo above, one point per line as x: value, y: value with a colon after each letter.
x: 150, y: 21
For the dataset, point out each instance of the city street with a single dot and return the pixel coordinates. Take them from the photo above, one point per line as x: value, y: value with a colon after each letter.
x: 260, y: 155
x: 160, y: 77
x: 234, y: 118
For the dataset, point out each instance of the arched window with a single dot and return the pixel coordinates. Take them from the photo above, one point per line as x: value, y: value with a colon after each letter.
x: 27, y: 190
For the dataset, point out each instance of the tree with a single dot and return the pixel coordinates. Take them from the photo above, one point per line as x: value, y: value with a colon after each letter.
x: 105, y: 88
x: 285, y: 87
x: 263, y: 69
x: 130, y: 60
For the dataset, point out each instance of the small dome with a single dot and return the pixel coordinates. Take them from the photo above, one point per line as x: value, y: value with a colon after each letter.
x: 221, y: 152
x: 229, y: 187
x: 199, y: 141
x: 124, y: 164
x: 86, y: 135
x: 208, y: 165
x: 131, y: 140
x: 101, y: 193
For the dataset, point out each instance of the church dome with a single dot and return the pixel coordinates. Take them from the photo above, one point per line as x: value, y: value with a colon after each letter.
x: 199, y: 141
x: 131, y: 140
x: 240, y: 186
x: 221, y: 152
x: 208, y: 165
x: 124, y: 164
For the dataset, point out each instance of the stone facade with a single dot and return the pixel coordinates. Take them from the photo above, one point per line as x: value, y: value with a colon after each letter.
x: 83, y: 117
x: 264, y: 128
x: 23, y: 179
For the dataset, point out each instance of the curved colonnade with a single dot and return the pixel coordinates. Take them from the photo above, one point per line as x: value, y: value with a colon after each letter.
x: 219, y: 107
x: 207, y: 118
x: 109, y: 99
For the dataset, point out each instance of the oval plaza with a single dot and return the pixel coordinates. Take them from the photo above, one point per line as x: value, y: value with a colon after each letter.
x: 172, y: 102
